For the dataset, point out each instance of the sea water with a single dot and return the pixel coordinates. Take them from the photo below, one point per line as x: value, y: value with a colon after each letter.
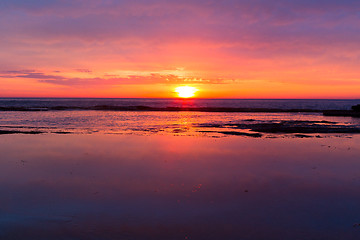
x: 316, y: 104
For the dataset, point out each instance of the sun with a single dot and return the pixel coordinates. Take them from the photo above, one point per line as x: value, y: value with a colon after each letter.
x: 185, y: 91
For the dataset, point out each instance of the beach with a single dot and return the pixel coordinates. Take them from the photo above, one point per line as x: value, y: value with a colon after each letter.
x: 179, y: 120
x: 173, y: 187
x: 178, y: 175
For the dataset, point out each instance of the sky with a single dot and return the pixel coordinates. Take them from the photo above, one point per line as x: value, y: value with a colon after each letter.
x: 147, y: 48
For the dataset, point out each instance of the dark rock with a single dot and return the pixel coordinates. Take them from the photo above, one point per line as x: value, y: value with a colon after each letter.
x: 19, y: 132
x: 302, y: 136
x: 285, y: 127
x: 342, y: 113
x: 356, y: 108
x: 256, y: 135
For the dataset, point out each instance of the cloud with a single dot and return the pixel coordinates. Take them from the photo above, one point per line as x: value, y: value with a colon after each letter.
x: 84, y: 70
x: 217, y: 42
x: 108, y: 81
x: 160, y: 20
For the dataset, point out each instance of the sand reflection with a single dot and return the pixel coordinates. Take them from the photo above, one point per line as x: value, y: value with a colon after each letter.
x: 166, y: 187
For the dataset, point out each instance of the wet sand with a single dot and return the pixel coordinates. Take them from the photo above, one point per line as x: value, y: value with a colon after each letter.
x: 213, y: 124
x: 106, y: 186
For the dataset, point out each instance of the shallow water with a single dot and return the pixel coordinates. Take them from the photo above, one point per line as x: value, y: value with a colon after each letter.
x: 106, y: 186
x: 144, y: 123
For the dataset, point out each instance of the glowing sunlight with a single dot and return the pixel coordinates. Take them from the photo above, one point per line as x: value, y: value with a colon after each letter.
x: 185, y: 91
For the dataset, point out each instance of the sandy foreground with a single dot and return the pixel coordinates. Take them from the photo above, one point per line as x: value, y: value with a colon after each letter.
x: 109, y: 186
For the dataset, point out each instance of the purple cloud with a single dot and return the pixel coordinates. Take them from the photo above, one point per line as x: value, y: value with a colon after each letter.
x: 232, y: 36
x: 113, y: 80
x: 219, y: 21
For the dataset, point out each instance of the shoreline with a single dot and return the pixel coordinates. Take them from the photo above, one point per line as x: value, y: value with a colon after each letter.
x: 340, y: 113
x: 245, y: 128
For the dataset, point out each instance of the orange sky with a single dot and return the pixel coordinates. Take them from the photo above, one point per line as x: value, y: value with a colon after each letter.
x: 229, y: 49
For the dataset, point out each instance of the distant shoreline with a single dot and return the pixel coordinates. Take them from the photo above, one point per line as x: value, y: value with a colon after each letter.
x: 181, y: 109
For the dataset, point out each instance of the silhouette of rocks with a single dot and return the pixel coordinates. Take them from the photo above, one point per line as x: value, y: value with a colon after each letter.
x: 287, y: 127
x: 17, y: 132
x: 356, y: 108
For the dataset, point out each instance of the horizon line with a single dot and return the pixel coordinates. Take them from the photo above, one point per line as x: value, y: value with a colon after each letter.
x: 185, y: 99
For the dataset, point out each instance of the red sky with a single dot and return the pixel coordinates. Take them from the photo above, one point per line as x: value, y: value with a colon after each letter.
x: 146, y: 48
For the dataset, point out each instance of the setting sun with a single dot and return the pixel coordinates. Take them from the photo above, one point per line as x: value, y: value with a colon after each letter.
x: 185, y: 91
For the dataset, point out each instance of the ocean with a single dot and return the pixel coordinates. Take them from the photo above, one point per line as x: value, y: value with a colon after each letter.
x: 315, y: 104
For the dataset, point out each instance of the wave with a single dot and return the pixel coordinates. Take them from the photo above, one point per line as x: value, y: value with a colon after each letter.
x: 346, y: 113
x: 146, y: 108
